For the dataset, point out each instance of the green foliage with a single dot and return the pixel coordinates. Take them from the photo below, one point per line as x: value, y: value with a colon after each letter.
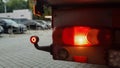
x: 22, y: 4
x: 13, y: 5
x: 1, y: 6
x: 47, y: 10
x: 30, y: 2
x: 16, y: 4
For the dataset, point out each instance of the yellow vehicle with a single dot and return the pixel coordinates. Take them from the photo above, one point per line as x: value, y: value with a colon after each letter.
x: 84, y: 31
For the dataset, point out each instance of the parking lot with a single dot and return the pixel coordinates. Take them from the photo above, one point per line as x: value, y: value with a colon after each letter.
x: 17, y: 52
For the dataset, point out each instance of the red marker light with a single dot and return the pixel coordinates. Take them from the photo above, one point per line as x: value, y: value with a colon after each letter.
x: 34, y: 39
x: 82, y: 59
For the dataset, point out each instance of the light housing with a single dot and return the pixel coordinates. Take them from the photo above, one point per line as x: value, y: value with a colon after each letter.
x: 82, y: 36
x: 34, y: 39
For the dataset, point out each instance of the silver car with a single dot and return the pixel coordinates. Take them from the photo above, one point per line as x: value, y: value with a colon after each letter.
x: 11, y: 26
x: 1, y: 30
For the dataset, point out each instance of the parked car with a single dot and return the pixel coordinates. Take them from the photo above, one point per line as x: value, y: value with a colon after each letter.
x: 49, y: 23
x: 46, y: 23
x: 11, y: 26
x: 20, y: 20
x: 31, y: 24
x: 34, y: 24
x: 1, y: 30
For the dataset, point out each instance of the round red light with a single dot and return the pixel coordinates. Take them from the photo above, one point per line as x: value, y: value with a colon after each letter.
x: 34, y: 39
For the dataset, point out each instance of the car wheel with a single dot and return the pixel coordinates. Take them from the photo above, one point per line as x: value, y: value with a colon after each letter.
x: 10, y: 30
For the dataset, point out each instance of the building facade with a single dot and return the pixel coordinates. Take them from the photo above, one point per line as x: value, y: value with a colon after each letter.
x: 24, y: 13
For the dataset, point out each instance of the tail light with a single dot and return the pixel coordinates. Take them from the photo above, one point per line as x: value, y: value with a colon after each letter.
x: 82, y: 36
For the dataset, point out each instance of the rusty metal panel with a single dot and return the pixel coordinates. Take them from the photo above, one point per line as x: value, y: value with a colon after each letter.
x: 79, y: 1
x: 116, y: 17
x: 86, y: 17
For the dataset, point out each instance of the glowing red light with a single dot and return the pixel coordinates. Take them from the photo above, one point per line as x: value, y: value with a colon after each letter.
x: 34, y: 39
x: 81, y: 36
x: 82, y: 59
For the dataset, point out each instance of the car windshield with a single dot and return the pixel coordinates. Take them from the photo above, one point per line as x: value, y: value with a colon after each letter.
x: 10, y: 22
x: 20, y: 20
x: 41, y: 22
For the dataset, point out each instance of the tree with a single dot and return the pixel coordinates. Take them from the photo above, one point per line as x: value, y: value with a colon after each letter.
x: 47, y: 10
x: 23, y: 4
x: 1, y: 6
x: 16, y: 4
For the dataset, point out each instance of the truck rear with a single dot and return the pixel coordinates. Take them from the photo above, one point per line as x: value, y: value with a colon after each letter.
x: 85, y: 31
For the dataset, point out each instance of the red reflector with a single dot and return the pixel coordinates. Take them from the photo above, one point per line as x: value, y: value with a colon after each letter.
x: 80, y: 36
x: 82, y: 59
x: 34, y: 39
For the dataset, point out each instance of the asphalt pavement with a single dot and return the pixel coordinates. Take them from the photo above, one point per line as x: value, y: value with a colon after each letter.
x: 16, y: 51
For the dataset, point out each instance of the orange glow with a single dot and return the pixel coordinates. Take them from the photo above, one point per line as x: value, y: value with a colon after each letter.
x: 34, y: 39
x: 80, y: 36
x: 34, y: 9
x: 35, y: 12
x: 81, y: 40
